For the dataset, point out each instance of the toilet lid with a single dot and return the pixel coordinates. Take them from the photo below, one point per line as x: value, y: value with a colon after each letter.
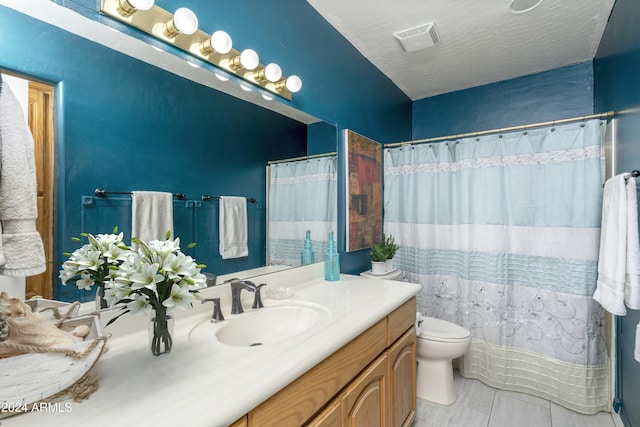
x: 442, y: 330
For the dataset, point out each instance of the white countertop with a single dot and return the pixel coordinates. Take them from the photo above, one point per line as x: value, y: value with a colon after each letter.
x: 206, y: 383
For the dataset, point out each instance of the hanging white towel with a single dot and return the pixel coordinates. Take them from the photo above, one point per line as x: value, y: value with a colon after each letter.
x: 632, y: 281
x: 151, y: 215
x: 21, y: 250
x: 233, y: 227
x: 618, y: 266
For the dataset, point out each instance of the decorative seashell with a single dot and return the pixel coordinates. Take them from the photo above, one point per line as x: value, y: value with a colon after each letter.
x: 26, y: 328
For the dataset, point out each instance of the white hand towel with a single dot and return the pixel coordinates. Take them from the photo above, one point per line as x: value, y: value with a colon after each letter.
x: 618, y: 270
x: 21, y: 250
x: 233, y: 227
x: 151, y: 215
x: 632, y: 281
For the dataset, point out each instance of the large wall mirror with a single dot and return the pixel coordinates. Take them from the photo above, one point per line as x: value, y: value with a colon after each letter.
x: 124, y: 124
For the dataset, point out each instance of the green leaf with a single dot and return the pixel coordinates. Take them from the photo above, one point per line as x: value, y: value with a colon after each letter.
x: 191, y: 245
x: 168, y: 235
x: 115, y: 230
x: 76, y: 239
x: 117, y: 317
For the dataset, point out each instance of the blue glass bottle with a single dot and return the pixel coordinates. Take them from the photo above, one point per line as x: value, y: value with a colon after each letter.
x: 307, y: 256
x: 331, y: 261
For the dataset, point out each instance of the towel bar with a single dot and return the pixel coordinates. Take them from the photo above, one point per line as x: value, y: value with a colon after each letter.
x: 101, y: 192
x: 206, y: 197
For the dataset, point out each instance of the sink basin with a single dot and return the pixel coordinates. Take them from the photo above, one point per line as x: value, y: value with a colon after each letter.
x: 263, y: 326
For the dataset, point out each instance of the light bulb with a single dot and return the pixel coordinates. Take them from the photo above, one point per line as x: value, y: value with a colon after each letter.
x: 219, y: 42
x: 129, y: 7
x: 294, y: 83
x: 272, y: 72
x: 184, y: 21
x: 249, y: 59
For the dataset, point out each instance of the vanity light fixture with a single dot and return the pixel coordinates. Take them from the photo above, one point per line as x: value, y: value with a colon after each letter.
x: 271, y: 73
x: 248, y: 59
x: 129, y: 7
x: 180, y: 30
x: 219, y: 42
x: 184, y: 21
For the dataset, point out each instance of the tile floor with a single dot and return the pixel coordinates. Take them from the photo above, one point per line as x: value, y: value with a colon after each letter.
x: 479, y: 405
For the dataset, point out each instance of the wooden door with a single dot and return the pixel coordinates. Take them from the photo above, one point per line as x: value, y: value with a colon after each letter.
x: 365, y: 400
x: 41, y: 124
x: 330, y: 416
x: 402, y: 380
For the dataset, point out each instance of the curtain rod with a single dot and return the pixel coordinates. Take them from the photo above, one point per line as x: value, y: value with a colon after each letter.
x: 500, y: 130
x: 294, y: 159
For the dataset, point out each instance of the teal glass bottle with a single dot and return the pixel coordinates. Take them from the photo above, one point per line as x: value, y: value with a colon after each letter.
x: 307, y: 256
x: 331, y: 261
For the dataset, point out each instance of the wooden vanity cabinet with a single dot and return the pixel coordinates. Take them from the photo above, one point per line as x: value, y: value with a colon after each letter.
x: 242, y: 422
x: 402, y: 380
x: 365, y: 400
x: 369, y: 382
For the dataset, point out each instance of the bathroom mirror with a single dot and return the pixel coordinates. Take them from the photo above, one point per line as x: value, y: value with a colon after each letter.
x: 124, y: 122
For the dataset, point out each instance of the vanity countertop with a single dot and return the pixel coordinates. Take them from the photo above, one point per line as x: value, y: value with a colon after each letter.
x: 206, y: 383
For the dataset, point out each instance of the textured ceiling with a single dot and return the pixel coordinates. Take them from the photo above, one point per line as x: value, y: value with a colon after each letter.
x: 481, y: 41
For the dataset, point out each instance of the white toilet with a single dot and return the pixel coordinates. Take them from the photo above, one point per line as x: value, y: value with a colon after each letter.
x: 438, y: 343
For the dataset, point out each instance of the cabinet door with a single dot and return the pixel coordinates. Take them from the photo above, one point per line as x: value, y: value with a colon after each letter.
x: 402, y: 380
x: 242, y: 422
x: 331, y: 416
x: 365, y: 400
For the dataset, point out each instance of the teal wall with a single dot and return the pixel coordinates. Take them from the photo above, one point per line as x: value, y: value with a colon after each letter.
x: 125, y: 125
x: 562, y: 93
x: 122, y: 124
x: 617, y: 87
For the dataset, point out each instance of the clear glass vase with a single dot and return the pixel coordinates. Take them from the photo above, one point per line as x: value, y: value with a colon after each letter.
x: 161, y: 333
x: 101, y: 303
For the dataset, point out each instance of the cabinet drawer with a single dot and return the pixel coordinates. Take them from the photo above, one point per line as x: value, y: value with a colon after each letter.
x: 296, y: 403
x: 401, y: 319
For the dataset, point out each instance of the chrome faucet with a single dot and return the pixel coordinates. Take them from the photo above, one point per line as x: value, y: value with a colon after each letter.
x: 236, y: 288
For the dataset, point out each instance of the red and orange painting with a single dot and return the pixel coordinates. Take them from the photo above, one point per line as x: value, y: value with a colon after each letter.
x: 364, y: 191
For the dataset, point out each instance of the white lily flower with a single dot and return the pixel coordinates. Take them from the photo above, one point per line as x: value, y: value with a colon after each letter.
x: 85, y: 281
x: 139, y: 304
x: 146, y: 277
x: 115, y: 292
x: 180, y: 297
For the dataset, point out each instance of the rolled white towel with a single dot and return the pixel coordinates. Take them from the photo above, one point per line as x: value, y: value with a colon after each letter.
x: 418, y: 323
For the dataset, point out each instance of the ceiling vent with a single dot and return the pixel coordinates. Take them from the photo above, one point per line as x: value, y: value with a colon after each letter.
x: 418, y: 38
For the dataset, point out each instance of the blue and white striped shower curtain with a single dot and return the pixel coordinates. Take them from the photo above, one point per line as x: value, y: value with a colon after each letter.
x: 502, y: 231
x: 302, y: 196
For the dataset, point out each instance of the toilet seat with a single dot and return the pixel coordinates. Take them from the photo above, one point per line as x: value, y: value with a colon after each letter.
x: 443, y: 331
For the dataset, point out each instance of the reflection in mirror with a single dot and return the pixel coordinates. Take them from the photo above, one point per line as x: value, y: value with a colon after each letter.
x: 302, y: 209
x: 126, y: 125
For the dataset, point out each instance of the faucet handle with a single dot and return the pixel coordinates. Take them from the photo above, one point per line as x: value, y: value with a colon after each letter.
x: 257, y: 299
x: 217, y: 311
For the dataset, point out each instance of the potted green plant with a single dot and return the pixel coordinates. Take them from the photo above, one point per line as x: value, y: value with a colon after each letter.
x: 390, y: 248
x: 378, y: 259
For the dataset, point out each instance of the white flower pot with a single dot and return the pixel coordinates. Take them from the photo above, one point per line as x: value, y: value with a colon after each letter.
x: 378, y: 267
x: 389, y: 264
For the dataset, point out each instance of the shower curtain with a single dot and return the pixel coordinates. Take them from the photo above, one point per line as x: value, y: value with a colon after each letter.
x: 302, y: 196
x: 502, y: 232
